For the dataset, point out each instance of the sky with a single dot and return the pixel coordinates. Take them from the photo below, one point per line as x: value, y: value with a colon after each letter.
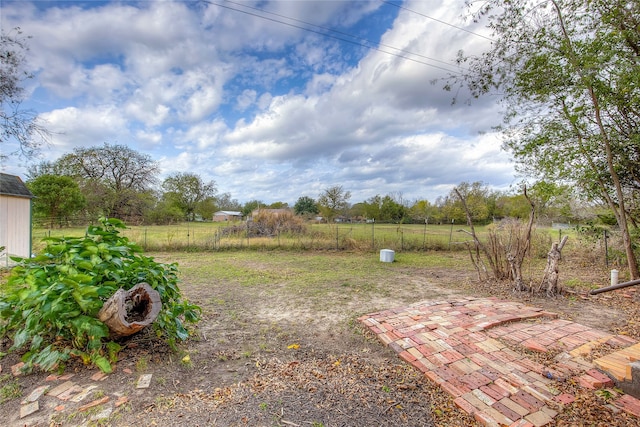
x: 271, y: 100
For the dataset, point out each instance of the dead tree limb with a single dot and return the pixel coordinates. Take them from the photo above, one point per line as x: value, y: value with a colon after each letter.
x: 127, y: 312
x: 478, y: 246
x: 551, y: 271
x: 517, y: 252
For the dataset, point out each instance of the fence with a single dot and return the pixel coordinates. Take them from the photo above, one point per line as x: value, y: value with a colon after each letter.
x: 211, y: 236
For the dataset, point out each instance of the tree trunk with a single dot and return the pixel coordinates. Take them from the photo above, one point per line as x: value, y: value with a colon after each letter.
x: 127, y: 312
x: 551, y: 271
x: 516, y: 257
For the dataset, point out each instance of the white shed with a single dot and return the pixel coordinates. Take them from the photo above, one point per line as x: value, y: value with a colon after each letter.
x: 15, y: 218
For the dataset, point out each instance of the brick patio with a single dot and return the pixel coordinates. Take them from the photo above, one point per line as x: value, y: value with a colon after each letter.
x: 464, y: 346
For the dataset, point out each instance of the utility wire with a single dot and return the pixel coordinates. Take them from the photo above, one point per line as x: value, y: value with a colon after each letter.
x: 436, y: 19
x: 371, y: 44
x: 358, y: 41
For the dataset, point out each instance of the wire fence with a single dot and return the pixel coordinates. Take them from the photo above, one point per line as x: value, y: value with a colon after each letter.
x: 214, y: 236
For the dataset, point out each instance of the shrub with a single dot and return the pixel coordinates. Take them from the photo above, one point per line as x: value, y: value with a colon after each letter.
x: 49, y: 303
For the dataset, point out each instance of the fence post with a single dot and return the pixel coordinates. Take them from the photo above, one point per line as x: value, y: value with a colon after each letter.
x: 606, y: 250
x: 373, y: 234
x: 451, y: 233
x: 337, y: 238
x: 424, y: 236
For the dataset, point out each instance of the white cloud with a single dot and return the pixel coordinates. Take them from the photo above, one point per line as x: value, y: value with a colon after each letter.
x: 267, y: 110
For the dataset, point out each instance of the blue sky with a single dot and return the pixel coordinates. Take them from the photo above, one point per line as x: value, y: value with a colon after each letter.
x: 304, y: 96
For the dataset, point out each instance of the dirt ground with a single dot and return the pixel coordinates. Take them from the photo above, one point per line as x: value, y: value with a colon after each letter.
x: 277, y: 354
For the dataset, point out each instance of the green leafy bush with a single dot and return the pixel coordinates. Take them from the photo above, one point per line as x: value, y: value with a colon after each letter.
x: 49, y: 304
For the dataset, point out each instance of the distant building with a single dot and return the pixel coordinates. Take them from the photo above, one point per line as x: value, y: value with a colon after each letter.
x: 15, y: 218
x: 222, y: 216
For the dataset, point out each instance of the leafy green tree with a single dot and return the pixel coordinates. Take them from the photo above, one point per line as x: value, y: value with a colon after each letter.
x: 224, y: 202
x: 278, y: 205
x: 207, y: 207
x: 16, y: 123
x: 333, y: 201
x: 479, y: 200
x: 57, y: 198
x: 423, y: 210
x: 391, y: 210
x: 49, y: 304
x: 384, y: 209
x: 164, y: 212
x: 251, y: 206
x: 569, y: 77
x: 357, y: 210
x: 513, y: 206
x: 115, y: 179
x: 186, y: 191
x: 371, y: 208
x: 553, y: 201
x: 305, y: 205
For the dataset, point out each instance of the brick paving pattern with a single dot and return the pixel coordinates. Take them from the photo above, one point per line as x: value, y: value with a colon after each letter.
x: 461, y: 345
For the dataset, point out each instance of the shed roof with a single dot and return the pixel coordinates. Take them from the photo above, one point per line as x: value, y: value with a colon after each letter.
x: 12, y: 185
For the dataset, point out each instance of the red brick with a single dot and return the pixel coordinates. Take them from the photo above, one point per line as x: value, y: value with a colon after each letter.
x: 460, y: 385
x: 452, y: 390
x: 96, y: 402
x: 407, y: 357
x: 489, y: 373
x: 565, y: 398
x: 586, y: 381
x: 527, y: 401
x: 475, y: 380
x: 604, y: 379
x: 628, y: 404
x: 434, y: 377
x: 509, y: 389
x: 463, y: 404
x: 452, y: 355
x: 485, y: 419
x: 521, y: 423
x: 492, y: 392
x: 533, y: 345
x: 506, y: 411
x: 446, y: 373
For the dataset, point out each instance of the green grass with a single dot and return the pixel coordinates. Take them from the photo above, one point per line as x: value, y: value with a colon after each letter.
x: 9, y: 388
x: 366, y: 237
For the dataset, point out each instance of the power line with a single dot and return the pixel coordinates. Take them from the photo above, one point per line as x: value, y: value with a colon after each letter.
x: 437, y: 20
x: 358, y: 40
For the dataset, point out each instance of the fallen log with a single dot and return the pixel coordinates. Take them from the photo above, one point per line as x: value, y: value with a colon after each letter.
x: 127, y: 312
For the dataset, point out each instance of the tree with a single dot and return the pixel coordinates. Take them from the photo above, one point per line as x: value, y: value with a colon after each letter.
x: 57, y: 198
x: 305, y: 205
x: 384, y: 209
x: 479, y: 200
x: 115, y: 179
x: 278, y: 205
x: 423, y: 211
x: 187, y: 190
x: 251, y: 206
x: 569, y: 77
x: 333, y: 201
x: 17, y: 124
x: 224, y: 202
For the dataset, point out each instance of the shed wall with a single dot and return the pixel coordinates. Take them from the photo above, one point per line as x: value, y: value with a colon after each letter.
x: 16, y: 238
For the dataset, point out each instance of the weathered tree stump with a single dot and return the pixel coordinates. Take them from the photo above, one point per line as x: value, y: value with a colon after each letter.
x: 127, y: 312
x: 551, y: 271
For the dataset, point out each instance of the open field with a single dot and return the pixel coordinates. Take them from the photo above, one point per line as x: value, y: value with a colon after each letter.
x: 364, y: 237
x: 279, y: 344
